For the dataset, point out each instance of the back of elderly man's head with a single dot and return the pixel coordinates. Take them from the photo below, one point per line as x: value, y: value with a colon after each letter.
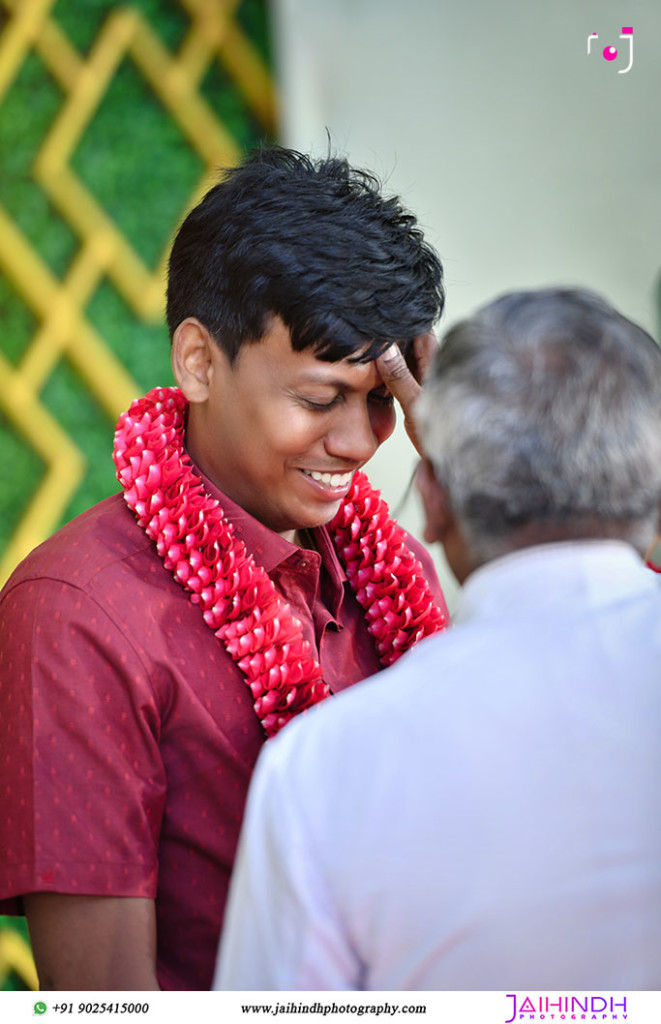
x: 541, y: 417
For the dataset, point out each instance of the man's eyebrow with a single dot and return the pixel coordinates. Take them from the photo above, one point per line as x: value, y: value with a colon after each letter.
x: 318, y: 377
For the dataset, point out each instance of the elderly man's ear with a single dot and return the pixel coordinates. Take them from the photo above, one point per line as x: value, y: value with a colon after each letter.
x: 441, y: 524
x: 438, y: 512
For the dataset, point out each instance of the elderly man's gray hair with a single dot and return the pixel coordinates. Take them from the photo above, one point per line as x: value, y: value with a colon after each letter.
x: 545, y: 408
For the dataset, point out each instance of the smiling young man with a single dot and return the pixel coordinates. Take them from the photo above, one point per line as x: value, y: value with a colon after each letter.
x: 246, y: 571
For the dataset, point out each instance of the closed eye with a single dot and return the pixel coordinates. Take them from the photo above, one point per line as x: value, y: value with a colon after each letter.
x: 381, y: 397
x: 322, y: 406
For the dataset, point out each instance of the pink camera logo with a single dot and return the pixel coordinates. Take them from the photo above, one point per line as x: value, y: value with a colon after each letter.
x: 610, y: 53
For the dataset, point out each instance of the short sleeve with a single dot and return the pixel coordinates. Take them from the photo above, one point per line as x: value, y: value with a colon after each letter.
x: 82, y: 783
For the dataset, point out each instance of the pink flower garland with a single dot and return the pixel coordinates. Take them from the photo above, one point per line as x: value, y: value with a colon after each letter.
x: 238, y: 600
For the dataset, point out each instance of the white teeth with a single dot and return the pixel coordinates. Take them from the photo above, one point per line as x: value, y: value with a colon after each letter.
x: 330, y: 479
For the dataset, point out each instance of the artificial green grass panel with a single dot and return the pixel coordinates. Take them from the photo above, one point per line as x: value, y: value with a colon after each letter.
x: 144, y: 349
x: 253, y: 17
x: 82, y: 21
x: 12, y: 983
x: 33, y: 91
x: 230, y: 107
x: 17, y: 323
x: 68, y: 399
x: 18, y: 485
x: 21, y: 138
x: 137, y: 163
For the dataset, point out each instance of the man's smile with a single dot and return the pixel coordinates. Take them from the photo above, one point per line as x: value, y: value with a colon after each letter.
x: 338, y: 481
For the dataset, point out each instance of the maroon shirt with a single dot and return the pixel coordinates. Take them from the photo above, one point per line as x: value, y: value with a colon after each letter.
x: 127, y: 733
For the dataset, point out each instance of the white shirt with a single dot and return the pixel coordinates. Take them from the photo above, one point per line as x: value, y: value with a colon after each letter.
x: 486, y: 814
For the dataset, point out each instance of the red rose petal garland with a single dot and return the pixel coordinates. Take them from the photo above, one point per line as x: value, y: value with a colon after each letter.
x: 238, y: 600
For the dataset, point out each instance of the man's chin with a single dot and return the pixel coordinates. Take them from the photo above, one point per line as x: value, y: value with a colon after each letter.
x: 311, y: 520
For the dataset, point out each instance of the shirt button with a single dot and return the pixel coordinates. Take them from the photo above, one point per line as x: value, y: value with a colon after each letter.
x: 303, y: 564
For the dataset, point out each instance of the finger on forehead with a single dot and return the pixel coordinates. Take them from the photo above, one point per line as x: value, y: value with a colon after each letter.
x: 397, y: 376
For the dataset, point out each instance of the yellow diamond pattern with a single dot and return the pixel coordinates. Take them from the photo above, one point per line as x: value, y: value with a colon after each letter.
x: 15, y: 956
x: 213, y: 35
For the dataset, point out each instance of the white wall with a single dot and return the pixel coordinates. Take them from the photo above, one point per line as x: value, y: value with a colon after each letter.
x: 528, y: 162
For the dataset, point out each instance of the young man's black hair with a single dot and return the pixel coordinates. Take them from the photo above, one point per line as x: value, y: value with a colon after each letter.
x: 313, y: 242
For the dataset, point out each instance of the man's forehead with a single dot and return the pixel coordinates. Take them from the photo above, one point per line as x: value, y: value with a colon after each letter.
x: 342, y: 375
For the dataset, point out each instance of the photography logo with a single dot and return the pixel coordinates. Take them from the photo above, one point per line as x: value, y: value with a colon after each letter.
x: 610, y: 53
x: 556, y: 1007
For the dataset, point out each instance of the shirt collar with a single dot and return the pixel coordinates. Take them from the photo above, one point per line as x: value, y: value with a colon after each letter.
x: 268, y: 548
x: 555, y: 576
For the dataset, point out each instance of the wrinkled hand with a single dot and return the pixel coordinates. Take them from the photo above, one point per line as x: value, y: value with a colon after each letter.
x: 404, y: 384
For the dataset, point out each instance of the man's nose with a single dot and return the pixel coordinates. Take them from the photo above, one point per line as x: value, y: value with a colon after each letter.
x: 352, y: 435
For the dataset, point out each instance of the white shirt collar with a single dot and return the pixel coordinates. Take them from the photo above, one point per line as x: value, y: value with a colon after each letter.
x: 555, y: 575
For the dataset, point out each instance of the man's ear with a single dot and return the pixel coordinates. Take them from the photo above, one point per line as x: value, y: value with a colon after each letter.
x: 193, y: 351
x: 439, y: 518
